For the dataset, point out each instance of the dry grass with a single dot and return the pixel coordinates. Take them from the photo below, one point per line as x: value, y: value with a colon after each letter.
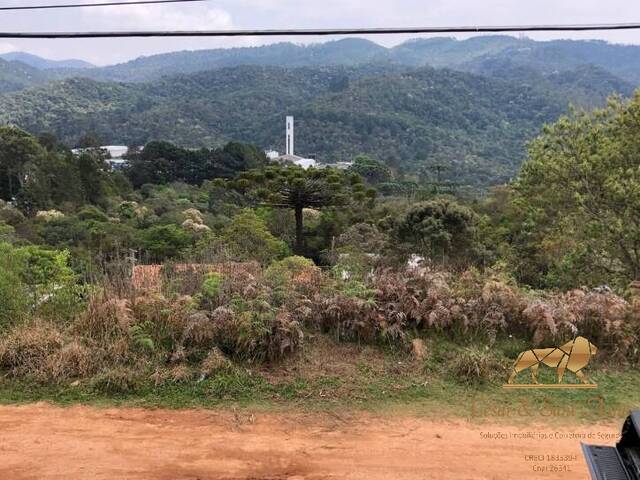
x: 259, y: 316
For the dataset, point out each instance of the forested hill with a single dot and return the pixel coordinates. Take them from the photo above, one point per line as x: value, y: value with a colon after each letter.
x: 467, y: 55
x: 17, y: 76
x: 405, y: 117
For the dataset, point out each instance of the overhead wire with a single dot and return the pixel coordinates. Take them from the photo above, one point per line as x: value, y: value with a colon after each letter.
x: 85, y: 5
x: 322, y: 31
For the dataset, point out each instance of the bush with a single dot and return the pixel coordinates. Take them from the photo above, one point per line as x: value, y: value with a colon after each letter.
x: 211, y: 290
x: 293, y: 274
x: 165, y: 241
x: 14, y: 304
x: 117, y: 380
x: 473, y: 366
x: 27, y: 349
x: 90, y: 212
x: 248, y: 238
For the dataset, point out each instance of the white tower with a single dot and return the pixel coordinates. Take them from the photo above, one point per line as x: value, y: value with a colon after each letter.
x: 289, y: 135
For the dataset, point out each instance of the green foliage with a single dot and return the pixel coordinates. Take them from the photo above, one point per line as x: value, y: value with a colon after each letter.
x: 14, y: 297
x: 299, y: 189
x: 211, y: 290
x: 165, y: 241
x: 374, y: 171
x: 579, y: 194
x: 162, y: 162
x: 33, y: 279
x: 403, y: 116
x: 43, y: 271
x: 248, y: 238
x: 7, y: 232
x: 140, y: 336
x: 90, y: 212
x: 440, y: 229
x: 18, y: 150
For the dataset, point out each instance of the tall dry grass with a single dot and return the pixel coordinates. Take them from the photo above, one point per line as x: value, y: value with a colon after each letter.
x: 180, y: 328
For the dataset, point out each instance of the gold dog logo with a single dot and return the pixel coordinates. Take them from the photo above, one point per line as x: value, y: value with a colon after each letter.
x: 572, y: 356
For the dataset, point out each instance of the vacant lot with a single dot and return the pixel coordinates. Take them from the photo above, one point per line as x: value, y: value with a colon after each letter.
x: 39, y: 441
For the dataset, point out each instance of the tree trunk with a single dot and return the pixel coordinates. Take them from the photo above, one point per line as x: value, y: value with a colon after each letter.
x: 299, y: 246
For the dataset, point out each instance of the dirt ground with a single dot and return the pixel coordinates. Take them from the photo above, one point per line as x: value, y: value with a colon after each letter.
x: 39, y: 441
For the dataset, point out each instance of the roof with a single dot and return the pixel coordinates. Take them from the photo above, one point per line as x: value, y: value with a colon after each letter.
x: 301, y: 161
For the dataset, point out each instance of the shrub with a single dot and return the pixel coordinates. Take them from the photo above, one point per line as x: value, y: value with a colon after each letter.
x: 165, y: 241
x: 27, y: 348
x: 44, y: 272
x: 293, y: 274
x: 116, y: 380
x: 211, y: 290
x: 256, y: 331
x: 72, y: 360
x: 215, y: 362
x: 474, y: 366
x: 14, y: 304
x: 91, y: 212
x: 248, y: 238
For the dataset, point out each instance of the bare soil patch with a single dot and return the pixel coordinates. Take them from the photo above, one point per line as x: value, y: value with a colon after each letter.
x: 39, y: 441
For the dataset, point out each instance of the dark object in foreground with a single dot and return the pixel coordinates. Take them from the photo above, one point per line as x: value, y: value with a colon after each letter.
x: 621, y: 462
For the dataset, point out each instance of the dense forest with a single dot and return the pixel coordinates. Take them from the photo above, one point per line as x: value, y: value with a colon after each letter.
x: 473, y: 54
x: 409, y: 119
x: 469, y: 118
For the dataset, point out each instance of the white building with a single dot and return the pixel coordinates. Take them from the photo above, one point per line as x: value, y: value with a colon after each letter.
x: 116, y: 154
x: 290, y: 156
x: 271, y: 154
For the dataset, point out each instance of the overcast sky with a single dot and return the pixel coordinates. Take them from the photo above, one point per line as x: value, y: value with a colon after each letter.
x: 245, y: 14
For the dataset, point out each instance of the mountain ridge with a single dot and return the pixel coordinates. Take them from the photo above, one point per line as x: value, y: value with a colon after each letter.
x: 42, y: 63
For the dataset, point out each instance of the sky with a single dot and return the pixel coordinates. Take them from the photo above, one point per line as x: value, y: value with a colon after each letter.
x: 277, y: 14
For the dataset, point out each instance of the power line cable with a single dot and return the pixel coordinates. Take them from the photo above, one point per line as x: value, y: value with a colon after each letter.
x: 321, y: 31
x: 83, y: 5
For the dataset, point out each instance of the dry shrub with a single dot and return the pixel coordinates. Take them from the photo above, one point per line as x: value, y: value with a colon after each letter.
x: 105, y: 319
x: 294, y: 275
x: 475, y: 366
x: 178, y: 374
x: 474, y: 306
x: 200, y: 331
x: 72, y: 360
x: 347, y: 317
x: 285, y: 338
x: 116, y: 380
x: 26, y: 348
x: 215, y: 362
x: 540, y: 316
x: 166, y: 319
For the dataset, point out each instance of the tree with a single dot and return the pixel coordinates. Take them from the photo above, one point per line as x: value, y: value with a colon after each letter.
x: 59, y: 178
x: 165, y: 241
x: 17, y: 150
x: 299, y: 189
x: 580, y: 191
x: 248, y: 238
x: 43, y: 272
x: 440, y: 228
x: 89, y: 140
x: 162, y: 162
x: 374, y: 171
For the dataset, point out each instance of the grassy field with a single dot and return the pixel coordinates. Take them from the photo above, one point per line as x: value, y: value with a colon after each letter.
x: 452, y: 380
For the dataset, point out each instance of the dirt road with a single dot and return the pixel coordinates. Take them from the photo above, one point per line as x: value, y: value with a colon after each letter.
x: 44, y: 442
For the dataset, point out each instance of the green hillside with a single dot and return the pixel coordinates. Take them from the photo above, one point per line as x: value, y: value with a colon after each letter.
x: 441, y: 52
x: 16, y: 75
x: 407, y: 118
